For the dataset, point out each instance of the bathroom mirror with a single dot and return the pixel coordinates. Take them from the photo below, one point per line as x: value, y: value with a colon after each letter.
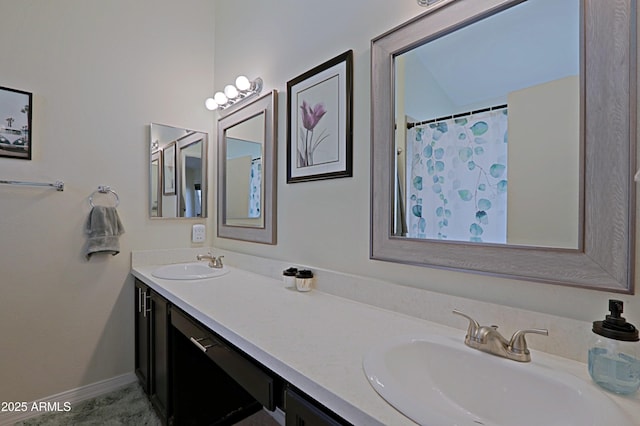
x: 560, y: 183
x: 178, y: 172
x: 247, y: 172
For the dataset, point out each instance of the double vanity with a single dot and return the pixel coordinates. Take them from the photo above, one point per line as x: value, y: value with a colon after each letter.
x: 216, y: 343
x: 223, y: 347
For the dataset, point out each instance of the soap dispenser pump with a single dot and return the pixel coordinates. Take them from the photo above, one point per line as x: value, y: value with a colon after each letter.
x: 614, y: 361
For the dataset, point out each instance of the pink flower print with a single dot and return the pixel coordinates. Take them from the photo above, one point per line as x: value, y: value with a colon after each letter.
x: 311, y: 116
x: 307, y: 146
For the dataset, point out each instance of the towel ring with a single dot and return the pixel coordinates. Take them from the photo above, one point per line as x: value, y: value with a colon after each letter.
x: 104, y: 190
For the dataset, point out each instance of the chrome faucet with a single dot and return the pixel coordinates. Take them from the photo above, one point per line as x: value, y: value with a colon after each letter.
x: 488, y: 339
x: 214, y: 262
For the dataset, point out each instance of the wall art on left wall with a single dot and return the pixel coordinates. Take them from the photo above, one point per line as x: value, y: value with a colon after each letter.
x: 15, y: 123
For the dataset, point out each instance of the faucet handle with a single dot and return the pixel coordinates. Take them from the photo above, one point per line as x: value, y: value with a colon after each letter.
x: 518, y: 343
x: 217, y: 263
x: 472, y: 331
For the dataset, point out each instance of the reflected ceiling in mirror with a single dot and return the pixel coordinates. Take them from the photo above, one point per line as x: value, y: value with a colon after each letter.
x: 475, y: 109
x: 600, y: 251
x: 178, y: 171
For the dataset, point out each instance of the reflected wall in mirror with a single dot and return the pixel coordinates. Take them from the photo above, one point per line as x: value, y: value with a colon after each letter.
x: 491, y: 150
x: 244, y: 145
x: 467, y: 141
x: 178, y: 171
x: 247, y: 172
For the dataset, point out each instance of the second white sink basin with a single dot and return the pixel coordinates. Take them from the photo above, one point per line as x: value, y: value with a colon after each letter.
x: 437, y: 380
x: 188, y: 271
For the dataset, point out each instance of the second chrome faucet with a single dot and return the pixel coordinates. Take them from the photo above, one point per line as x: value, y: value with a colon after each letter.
x: 488, y: 339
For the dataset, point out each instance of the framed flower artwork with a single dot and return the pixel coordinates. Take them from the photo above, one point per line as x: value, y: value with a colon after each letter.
x: 319, y: 122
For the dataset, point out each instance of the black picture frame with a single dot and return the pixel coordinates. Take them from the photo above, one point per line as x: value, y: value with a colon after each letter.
x: 15, y: 123
x: 321, y: 99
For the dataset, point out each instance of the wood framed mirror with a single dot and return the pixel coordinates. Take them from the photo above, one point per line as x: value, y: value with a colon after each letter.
x: 602, y: 254
x: 247, y: 172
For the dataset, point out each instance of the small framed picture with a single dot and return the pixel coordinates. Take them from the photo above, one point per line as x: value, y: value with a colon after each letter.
x: 169, y: 169
x: 15, y: 123
x: 319, y: 122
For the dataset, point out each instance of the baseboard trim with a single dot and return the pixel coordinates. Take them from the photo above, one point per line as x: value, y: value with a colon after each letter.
x: 72, y: 397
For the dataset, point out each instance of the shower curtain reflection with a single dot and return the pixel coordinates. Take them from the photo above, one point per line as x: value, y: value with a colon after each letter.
x: 255, y: 188
x: 456, y: 182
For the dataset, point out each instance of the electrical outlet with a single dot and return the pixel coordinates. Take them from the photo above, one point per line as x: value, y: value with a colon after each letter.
x: 198, y: 233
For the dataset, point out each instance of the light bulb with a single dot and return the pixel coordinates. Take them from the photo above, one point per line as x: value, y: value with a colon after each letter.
x: 220, y: 98
x: 211, y: 104
x: 243, y: 83
x: 231, y: 91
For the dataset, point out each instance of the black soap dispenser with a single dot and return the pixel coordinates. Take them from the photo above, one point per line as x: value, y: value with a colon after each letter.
x: 614, y: 361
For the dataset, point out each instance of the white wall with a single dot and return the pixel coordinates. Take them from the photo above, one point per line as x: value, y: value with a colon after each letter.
x: 326, y: 223
x: 100, y: 72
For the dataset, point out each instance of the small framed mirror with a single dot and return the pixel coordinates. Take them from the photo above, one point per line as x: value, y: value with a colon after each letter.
x: 178, y: 172
x: 247, y: 172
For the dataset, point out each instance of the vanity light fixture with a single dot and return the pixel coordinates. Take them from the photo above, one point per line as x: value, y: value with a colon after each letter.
x: 427, y: 3
x: 232, y: 94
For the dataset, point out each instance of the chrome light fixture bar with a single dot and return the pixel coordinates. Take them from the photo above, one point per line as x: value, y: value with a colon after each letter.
x: 232, y: 94
x: 427, y: 3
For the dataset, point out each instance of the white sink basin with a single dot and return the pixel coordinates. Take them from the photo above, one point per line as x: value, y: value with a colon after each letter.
x: 439, y: 381
x: 188, y: 271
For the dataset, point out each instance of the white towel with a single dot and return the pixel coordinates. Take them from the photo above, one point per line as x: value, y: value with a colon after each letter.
x: 104, y: 229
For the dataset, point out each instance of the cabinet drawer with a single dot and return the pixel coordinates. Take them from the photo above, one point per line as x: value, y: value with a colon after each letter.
x: 302, y: 412
x: 253, y: 379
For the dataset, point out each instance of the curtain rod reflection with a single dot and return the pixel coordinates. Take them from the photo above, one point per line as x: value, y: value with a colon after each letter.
x: 462, y: 114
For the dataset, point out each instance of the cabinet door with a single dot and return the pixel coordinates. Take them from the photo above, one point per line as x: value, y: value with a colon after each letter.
x: 302, y: 412
x: 143, y: 335
x: 160, y: 379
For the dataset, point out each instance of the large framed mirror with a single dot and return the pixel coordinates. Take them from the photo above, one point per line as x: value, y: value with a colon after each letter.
x: 178, y: 172
x: 247, y: 172
x: 504, y: 140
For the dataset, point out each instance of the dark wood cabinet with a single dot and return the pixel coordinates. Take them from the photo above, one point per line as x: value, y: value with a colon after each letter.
x: 303, y: 411
x: 195, y: 377
x: 206, y: 391
x: 160, y: 383
x: 152, y: 355
x: 143, y: 334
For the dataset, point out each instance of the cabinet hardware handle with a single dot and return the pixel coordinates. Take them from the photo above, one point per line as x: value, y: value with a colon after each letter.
x: 145, y: 308
x: 139, y: 299
x: 200, y: 346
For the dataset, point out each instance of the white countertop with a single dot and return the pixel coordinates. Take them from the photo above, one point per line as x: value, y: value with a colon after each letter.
x: 314, y: 340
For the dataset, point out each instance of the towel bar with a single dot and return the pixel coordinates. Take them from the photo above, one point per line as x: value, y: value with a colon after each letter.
x: 58, y: 185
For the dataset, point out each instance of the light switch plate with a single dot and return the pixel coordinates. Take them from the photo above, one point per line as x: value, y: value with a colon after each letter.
x: 198, y: 233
